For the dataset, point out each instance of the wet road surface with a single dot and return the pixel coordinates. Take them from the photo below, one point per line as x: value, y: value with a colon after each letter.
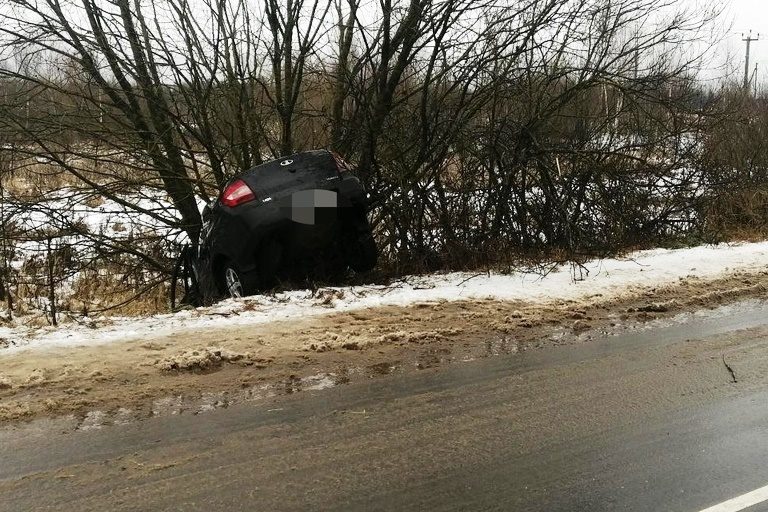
x: 650, y: 420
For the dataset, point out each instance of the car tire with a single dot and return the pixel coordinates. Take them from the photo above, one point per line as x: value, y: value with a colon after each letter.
x: 362, y: 253
x: 269, y: 260
x: 334, y: 267
x: 236, y: 284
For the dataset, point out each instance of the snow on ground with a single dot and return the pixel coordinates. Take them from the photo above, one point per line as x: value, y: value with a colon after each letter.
x: 608, y: 277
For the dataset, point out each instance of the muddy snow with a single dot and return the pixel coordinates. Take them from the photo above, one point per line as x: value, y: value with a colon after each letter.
x: 606, y: 278
x: 284, y: 342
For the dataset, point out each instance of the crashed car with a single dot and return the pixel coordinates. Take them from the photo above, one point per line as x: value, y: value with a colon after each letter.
x: 298, y: 215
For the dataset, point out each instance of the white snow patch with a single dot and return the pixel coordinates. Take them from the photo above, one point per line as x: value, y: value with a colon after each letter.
x: 605, y: 277
x: 318, y: 382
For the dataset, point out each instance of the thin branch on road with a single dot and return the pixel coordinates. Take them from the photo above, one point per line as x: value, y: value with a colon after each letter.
x: 730, y: 370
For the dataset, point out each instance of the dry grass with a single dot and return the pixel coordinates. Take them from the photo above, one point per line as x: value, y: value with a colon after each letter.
x: 739, y: 215
x: 107, y: 291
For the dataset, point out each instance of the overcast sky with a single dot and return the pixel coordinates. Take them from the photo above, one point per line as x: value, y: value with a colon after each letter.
x: 746, y: 15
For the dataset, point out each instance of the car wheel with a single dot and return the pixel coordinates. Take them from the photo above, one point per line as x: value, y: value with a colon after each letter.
x: 334, y: 265
x: 236, y: 284
x: 232, y: 283
x: 362, y: 253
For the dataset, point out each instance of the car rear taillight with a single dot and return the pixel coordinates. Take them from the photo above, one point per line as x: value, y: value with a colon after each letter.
x: 237, y: 193
x: 341, y: 164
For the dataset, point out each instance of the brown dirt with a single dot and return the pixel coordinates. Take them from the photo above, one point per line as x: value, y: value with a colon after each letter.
x: 233, y: 364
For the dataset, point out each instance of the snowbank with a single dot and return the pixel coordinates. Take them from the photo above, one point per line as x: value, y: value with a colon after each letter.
x: 609, y: 277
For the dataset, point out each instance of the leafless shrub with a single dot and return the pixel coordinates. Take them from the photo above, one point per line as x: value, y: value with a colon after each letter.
x: 483, y: 130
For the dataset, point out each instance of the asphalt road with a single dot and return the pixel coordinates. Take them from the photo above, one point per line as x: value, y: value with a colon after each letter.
x: 650, y: 421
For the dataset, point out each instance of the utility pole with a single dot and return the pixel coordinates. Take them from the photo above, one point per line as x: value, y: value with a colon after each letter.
x: 748, y: 39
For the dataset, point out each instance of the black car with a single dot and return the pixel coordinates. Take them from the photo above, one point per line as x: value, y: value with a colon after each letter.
x: 298, y: 215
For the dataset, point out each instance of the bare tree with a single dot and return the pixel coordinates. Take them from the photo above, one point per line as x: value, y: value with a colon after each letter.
x: 480, y: 128
x: 295, y: 29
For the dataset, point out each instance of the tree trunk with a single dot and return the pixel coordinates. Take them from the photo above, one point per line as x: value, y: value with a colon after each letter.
x: 51, y: 282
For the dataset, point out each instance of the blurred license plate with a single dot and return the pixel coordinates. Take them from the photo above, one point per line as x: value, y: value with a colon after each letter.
x: 305, y: 203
